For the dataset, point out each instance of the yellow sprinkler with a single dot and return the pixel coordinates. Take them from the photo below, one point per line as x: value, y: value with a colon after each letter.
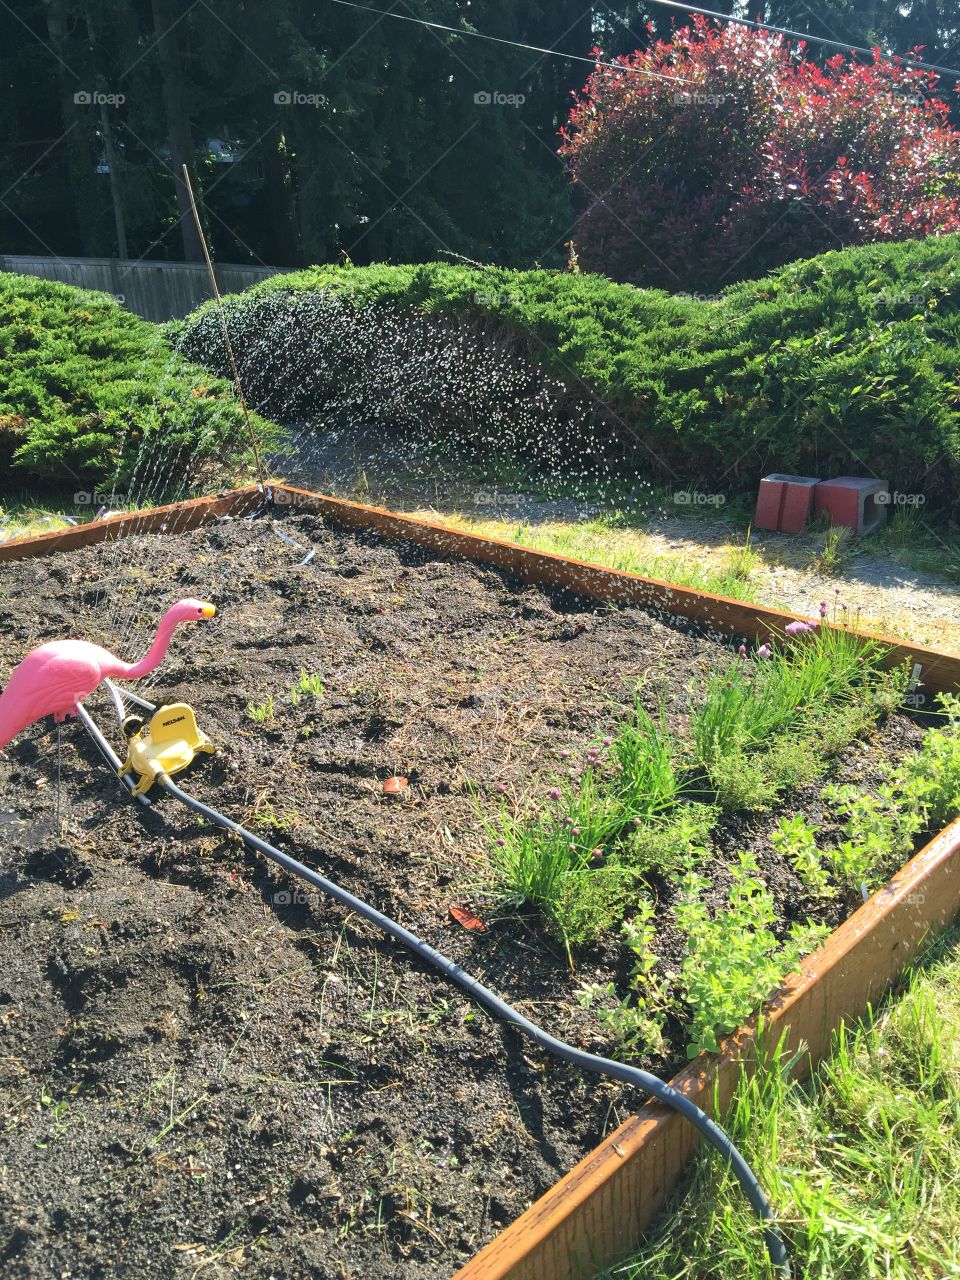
x: 166, y: 745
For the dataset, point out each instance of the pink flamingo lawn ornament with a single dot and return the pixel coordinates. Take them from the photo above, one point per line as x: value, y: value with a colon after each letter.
x: 53, y: 679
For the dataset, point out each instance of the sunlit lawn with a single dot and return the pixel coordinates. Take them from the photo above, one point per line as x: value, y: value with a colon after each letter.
x: 862, y: 1162
x: 604, y: 540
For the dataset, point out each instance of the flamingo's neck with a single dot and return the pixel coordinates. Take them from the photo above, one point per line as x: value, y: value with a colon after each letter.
x: 158, y: 651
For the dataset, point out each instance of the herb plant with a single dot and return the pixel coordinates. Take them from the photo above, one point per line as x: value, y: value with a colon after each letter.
x: 636, y: 1020
x: 797, y: 841
x: 733, y: 958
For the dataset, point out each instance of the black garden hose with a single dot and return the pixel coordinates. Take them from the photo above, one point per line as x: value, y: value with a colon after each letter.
x: 650, y: 1084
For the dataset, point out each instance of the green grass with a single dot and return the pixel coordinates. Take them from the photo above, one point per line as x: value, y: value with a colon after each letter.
x: 917, y: 541
x: 590, y: 851
x: 834, y: 550
x: 644, y: 757
x: 862, y: 1162
x: 26, y: 512
x: 538, y: 857
x: 261, y: 712
x: 25, y: 519
x: 746, y: 703
x: 762, y: 729
x: 616, y: 541
x: 571, y: 853
x: 307, y: 686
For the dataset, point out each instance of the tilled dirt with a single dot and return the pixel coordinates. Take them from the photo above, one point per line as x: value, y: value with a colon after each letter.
x: 206, y: 1071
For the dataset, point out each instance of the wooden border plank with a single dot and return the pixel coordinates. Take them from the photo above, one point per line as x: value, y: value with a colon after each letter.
x: 940, y: 671
x: 176, y: 517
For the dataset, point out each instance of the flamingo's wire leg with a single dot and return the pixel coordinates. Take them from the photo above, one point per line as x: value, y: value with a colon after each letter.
x: 59, y: 828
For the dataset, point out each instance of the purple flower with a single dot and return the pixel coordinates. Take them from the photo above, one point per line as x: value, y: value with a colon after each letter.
x: 564, y: 755
x: 554, y: 793
x: 572, y: 848
x: 823, y: 608
x: 764, y: 651
x: 797, y: 628
x: 607, y: 742
x: 742, y: 651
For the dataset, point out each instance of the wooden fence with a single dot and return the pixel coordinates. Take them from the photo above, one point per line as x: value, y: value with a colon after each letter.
x: 157, y: 291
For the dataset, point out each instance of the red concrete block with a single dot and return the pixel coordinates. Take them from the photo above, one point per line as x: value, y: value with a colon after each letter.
x: 852, y: 501
x: 784, y: 502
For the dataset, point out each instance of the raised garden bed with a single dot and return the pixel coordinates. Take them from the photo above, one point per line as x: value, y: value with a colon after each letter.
x: 222, y: 1068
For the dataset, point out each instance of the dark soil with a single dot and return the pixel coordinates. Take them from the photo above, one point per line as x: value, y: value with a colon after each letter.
x: 207, y: 1073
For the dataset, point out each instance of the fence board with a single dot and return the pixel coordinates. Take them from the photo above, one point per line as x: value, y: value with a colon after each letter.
x: 157, y: 291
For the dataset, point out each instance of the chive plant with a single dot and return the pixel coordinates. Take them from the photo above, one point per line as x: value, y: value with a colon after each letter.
x: 746, y: 703
x: 644, y: 756
x: 533, y: 855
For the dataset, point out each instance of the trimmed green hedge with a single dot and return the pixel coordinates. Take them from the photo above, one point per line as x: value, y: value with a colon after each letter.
x: 92, y: 393
x: 847, y: 362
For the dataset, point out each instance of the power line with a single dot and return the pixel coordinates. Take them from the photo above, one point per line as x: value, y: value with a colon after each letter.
x: 619, y: 66
x: 514, y: 44
x: 800, y: 35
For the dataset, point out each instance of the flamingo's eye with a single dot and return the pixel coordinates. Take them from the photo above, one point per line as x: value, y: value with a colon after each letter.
x: 199, y: 613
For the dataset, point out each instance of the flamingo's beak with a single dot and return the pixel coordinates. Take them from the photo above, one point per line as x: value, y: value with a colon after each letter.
x: 209, y: 610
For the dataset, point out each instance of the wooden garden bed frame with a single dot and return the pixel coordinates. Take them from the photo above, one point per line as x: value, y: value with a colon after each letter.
x: 597, y: 1213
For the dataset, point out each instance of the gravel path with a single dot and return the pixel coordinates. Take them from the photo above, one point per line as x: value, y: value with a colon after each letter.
x: 887, y: 595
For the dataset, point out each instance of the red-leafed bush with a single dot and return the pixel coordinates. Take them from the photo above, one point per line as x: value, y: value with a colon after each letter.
x: 725, y: 152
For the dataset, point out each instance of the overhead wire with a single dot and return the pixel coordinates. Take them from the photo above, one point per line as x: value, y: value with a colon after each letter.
x: 915, y: 63
x: 515, y: 44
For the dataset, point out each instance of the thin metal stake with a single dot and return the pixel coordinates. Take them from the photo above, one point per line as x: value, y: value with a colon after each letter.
x: 59, y: 777
x: 226, y: 333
